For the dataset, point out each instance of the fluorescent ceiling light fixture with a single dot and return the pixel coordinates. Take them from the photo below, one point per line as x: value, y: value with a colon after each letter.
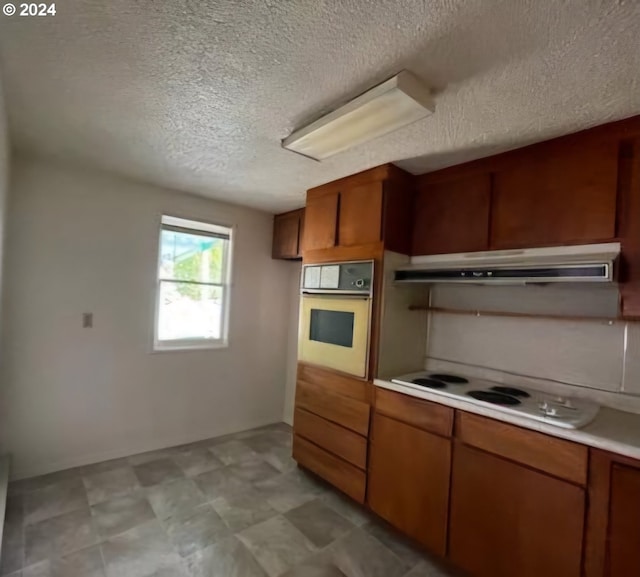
x: 393, y: 104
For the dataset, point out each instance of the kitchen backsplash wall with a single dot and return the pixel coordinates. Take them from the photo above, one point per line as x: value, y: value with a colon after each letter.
x: 596, y: 358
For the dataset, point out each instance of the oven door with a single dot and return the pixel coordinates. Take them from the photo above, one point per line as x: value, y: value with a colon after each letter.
x: 334, y: 332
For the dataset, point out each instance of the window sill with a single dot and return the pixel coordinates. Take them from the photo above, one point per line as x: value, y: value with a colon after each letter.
x: 186, y: 346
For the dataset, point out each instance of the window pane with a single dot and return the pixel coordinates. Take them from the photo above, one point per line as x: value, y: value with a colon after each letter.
x: 192, y: 257
x: 188, y: 311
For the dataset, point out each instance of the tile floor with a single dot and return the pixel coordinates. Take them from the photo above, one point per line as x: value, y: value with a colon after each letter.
x: 234, y: 506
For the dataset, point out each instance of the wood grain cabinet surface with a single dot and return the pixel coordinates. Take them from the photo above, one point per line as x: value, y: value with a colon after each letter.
x: 556, y: 193
x: 629, y: 226
x: 508, y: 520
x: 331, y: 428
x: 360, y: 219
x: 321, y: 216
x: 287, y: 235
x: 624, y: 522
x: 452, y: 215
x: 362, y: 210
x: 339, y: 473
x: 548, y: 454
x: 336, y: 439
x: 612, y: 544
x: 408, y: 481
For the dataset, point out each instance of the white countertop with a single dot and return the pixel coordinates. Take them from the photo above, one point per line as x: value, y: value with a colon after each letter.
x: 611, y: 430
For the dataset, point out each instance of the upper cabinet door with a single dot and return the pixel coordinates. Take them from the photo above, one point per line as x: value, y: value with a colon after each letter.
x: 452, y: 216
x: 556, y: 193
x: 321, y: 217
x: 286, y: 234
x: 360, y: 215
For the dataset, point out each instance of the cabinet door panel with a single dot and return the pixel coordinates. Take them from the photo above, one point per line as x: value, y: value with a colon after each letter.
x: 321, y: 218
x: 509, y: 520
x: 624, y: 522
x: 360, y: 215
x: 409, y: 480
x: 629, y: 227
x: 286, y: 235
x: 452, y: 216
x: 556, y: 194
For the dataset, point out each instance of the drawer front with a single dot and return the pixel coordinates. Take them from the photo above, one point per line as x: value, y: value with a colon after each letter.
x: 337, y: 383
x: 336, y: 439
x: 345, y: 411
x: 340, y: 474
x: 425, y: 415
x: 554, y: 456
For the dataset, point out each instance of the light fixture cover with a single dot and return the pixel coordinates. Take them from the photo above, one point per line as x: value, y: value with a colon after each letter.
x: 393, y: 104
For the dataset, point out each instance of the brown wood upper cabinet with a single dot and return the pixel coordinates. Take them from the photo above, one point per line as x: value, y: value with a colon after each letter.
x: 287, y: 235
x: 452, y: 215
x: 360, y: 216
x: 320, y: 221
x: 369, y: 207
x: 349, y: 217
x: 556, y: 192
x: 629, y: 226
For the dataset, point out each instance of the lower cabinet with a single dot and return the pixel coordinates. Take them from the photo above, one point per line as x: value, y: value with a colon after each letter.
x: 497, y: 500
x: 508, y: 520
x: 613, y: 526
x: 331, y: 428
x: 409, y: 480
x: 624, y: 522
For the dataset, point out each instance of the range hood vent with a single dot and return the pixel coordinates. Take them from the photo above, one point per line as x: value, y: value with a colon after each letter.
x: 569, y: 264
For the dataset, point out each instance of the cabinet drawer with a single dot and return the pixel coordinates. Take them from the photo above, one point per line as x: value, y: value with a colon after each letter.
x: 554, y: 456
x: 339, y: 473
x: 422, y: 414
x: 337, y: 383
x: 334, y: 438
x: 344, y: 411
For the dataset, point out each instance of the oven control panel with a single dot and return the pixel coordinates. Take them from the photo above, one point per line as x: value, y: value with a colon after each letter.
x: 338, y: 278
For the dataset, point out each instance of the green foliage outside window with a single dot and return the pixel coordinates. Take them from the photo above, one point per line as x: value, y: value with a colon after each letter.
x: 191, y: 269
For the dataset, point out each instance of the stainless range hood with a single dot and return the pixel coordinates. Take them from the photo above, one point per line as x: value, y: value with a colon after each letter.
x: 568, y: 264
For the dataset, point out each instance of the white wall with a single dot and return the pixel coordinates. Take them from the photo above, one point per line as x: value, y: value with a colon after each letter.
x: 87, y: 242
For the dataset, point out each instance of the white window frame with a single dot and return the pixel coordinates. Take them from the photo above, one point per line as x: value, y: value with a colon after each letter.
x: 196, y: 226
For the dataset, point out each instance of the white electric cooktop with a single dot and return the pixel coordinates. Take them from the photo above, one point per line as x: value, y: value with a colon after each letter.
x: 566, y: 412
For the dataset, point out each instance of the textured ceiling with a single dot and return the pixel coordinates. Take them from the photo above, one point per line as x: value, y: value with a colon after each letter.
x: 196, y: 95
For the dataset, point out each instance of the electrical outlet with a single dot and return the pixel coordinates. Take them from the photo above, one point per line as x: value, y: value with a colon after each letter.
x: 87, y: 320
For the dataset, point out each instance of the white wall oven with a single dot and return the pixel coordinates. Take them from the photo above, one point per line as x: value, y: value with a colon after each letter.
x: 335, y: 316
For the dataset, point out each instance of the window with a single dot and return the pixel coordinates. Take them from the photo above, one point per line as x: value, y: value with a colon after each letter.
x: 193, y: 284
